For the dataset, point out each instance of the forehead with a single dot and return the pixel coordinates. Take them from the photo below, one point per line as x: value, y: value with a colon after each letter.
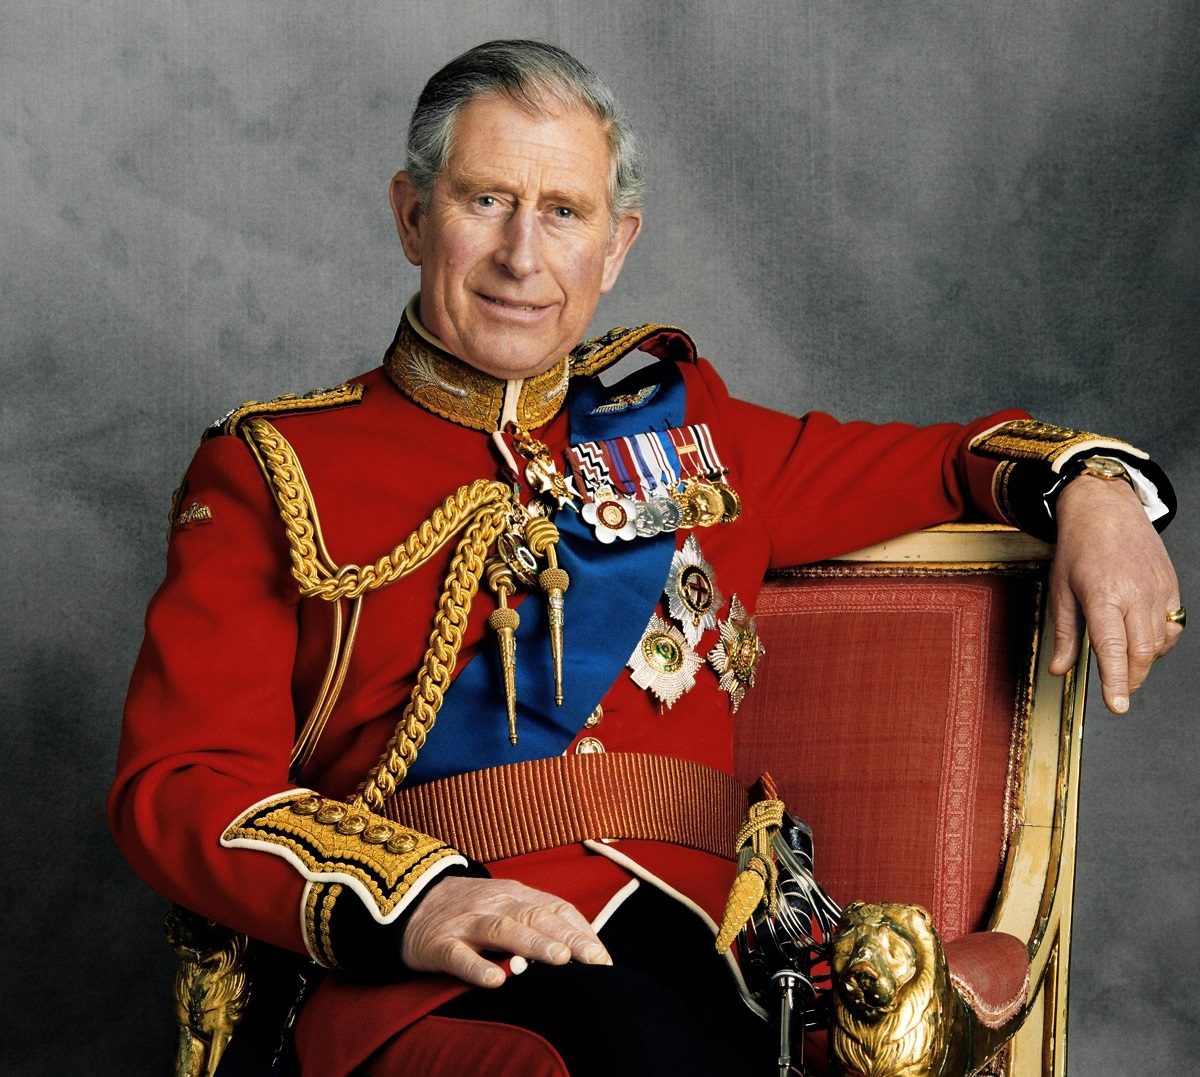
x: 500, y: 143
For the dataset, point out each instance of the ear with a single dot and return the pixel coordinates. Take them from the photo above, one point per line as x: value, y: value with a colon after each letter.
x: 407, y: 209
x: 628, y: 229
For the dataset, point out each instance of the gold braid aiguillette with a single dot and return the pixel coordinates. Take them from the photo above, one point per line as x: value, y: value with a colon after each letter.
x: 542, y: 536
x: 504, y: 621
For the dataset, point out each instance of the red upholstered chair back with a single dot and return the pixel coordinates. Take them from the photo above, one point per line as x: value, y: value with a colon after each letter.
x: 890, y: 708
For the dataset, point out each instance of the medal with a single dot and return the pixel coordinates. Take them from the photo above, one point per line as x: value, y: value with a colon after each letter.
x: 518, y: 557
x: 541, y: 472
x: 663, y: 662
x: 732, y: 501
x: 692, y: 594
x: 736, y: 657
x: 613, y: 517
x: 706, y: 502
x: 655, y: 481
x: 671, y: 513
x: 647, y: 518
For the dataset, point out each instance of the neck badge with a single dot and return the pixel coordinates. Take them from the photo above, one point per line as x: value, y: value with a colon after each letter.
x: 693, y: 597
x: 663, y: 662
x: 736, y: 657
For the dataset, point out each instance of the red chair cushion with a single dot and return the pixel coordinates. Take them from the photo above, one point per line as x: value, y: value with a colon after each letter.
x: 885, y: 711
x: 991, y: 971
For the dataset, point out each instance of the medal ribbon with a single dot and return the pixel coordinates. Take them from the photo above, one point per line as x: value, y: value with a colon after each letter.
x: 636, y: 465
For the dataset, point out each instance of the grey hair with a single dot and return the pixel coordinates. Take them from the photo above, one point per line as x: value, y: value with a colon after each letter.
x: 528, y: 72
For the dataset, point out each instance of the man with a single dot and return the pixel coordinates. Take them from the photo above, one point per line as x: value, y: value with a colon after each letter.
x: 294, y: 731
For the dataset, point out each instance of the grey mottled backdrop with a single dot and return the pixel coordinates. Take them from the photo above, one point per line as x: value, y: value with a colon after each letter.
x: 883, y: 208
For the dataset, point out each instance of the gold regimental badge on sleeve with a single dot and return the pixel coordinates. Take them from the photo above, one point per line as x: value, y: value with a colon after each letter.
x: 736, y: 657
x: 663, y: 662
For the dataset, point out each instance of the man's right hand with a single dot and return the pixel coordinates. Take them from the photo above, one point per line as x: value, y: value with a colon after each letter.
x: 461, y: 917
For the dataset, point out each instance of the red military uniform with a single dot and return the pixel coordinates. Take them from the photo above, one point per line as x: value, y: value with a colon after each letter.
x: 233, y: 656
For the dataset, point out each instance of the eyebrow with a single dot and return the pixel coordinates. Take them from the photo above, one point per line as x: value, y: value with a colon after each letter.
x: 466, y: 183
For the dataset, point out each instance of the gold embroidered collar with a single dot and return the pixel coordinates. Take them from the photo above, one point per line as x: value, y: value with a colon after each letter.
x: 435, y: 380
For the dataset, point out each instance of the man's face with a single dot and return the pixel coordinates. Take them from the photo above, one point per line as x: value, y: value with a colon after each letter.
x: 515, y: 243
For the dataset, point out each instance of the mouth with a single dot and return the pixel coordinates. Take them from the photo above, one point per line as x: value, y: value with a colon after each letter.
x: 513, y: 307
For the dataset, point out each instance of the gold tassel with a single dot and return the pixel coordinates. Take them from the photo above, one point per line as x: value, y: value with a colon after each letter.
x: 504, y: 622
x: 745, y: 896
x: 542, y: 536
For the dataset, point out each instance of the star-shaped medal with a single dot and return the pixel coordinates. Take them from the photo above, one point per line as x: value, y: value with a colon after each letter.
x: 736, y: 657
x: 692, y: 593
x: 663, y: 662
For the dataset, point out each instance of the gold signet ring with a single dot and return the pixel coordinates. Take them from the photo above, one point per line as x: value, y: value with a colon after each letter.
x: 1178, y: 616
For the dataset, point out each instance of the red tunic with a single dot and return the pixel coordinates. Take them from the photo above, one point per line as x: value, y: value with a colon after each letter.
x: 233, y: 657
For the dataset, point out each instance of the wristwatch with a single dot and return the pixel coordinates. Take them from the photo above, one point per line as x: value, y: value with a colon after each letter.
x: 1108, y: 468
x: 1104, y: 467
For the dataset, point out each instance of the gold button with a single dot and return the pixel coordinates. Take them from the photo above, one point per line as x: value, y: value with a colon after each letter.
x: 378, y: 833
x: 589, y: 746
x: 593, y: 719
x: 352, y: 824
x: 401, y: 843
x: 331, y: 813
x: 307, y: 805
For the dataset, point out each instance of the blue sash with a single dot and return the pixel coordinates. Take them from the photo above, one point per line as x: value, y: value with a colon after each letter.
x: 614, y: 589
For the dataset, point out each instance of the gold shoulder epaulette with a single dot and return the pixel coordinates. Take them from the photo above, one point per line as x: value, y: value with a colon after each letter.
x: 593, y: 356
x: 1029, y: 439
x: 338, y: 396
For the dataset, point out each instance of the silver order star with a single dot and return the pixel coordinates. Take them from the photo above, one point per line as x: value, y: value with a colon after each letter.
x: 663, y: 662
x: 693, y: 598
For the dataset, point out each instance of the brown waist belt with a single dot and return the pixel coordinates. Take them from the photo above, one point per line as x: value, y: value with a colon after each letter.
x: 523, y: 807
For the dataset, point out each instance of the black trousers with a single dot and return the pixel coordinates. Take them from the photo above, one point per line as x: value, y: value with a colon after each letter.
x: 667, y: 1005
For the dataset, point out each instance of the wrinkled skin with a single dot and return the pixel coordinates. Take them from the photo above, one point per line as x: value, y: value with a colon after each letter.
x: 462, y: 917
x: 1111, y: 573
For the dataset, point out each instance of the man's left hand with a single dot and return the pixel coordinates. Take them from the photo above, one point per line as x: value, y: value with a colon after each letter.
x: 1112, y: 573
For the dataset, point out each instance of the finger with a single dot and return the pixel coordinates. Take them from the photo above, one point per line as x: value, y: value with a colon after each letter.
x: 1068, y: 629
x: 1143, y: 635
x: 1112, y: 658
x: 510, y: 935
x: 458, y: 959
x: 565, y: 923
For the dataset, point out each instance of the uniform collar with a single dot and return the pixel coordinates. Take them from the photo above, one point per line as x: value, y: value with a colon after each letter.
x: 421, y: 368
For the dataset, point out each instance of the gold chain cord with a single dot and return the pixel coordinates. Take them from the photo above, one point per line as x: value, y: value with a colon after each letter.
x: 481, y: 508
x: 454, y: 607
x: 311, y: 565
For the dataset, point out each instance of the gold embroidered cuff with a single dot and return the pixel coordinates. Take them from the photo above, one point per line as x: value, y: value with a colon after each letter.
x: 1028, y: 439
x: 328, y: 842
x: 1002, y: 492
x: 319, y: 902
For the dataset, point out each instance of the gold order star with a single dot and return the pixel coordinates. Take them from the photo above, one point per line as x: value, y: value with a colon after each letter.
x: 735, y: 659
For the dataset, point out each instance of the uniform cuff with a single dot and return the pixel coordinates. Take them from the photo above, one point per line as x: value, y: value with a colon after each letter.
x: 1038, y: 460
x: 343, y: 849
x: 342, y: 934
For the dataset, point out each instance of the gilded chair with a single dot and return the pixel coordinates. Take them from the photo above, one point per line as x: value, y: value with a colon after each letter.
x: 906, y: 712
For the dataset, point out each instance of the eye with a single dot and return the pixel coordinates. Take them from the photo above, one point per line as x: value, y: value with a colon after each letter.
x: 487, y: 201
x: 563, y: 213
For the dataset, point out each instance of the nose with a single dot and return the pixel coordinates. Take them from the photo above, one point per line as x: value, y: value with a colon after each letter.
x: 520, y: 249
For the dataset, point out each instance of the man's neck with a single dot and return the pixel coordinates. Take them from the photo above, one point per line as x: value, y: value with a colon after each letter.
x: 421, y: 366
